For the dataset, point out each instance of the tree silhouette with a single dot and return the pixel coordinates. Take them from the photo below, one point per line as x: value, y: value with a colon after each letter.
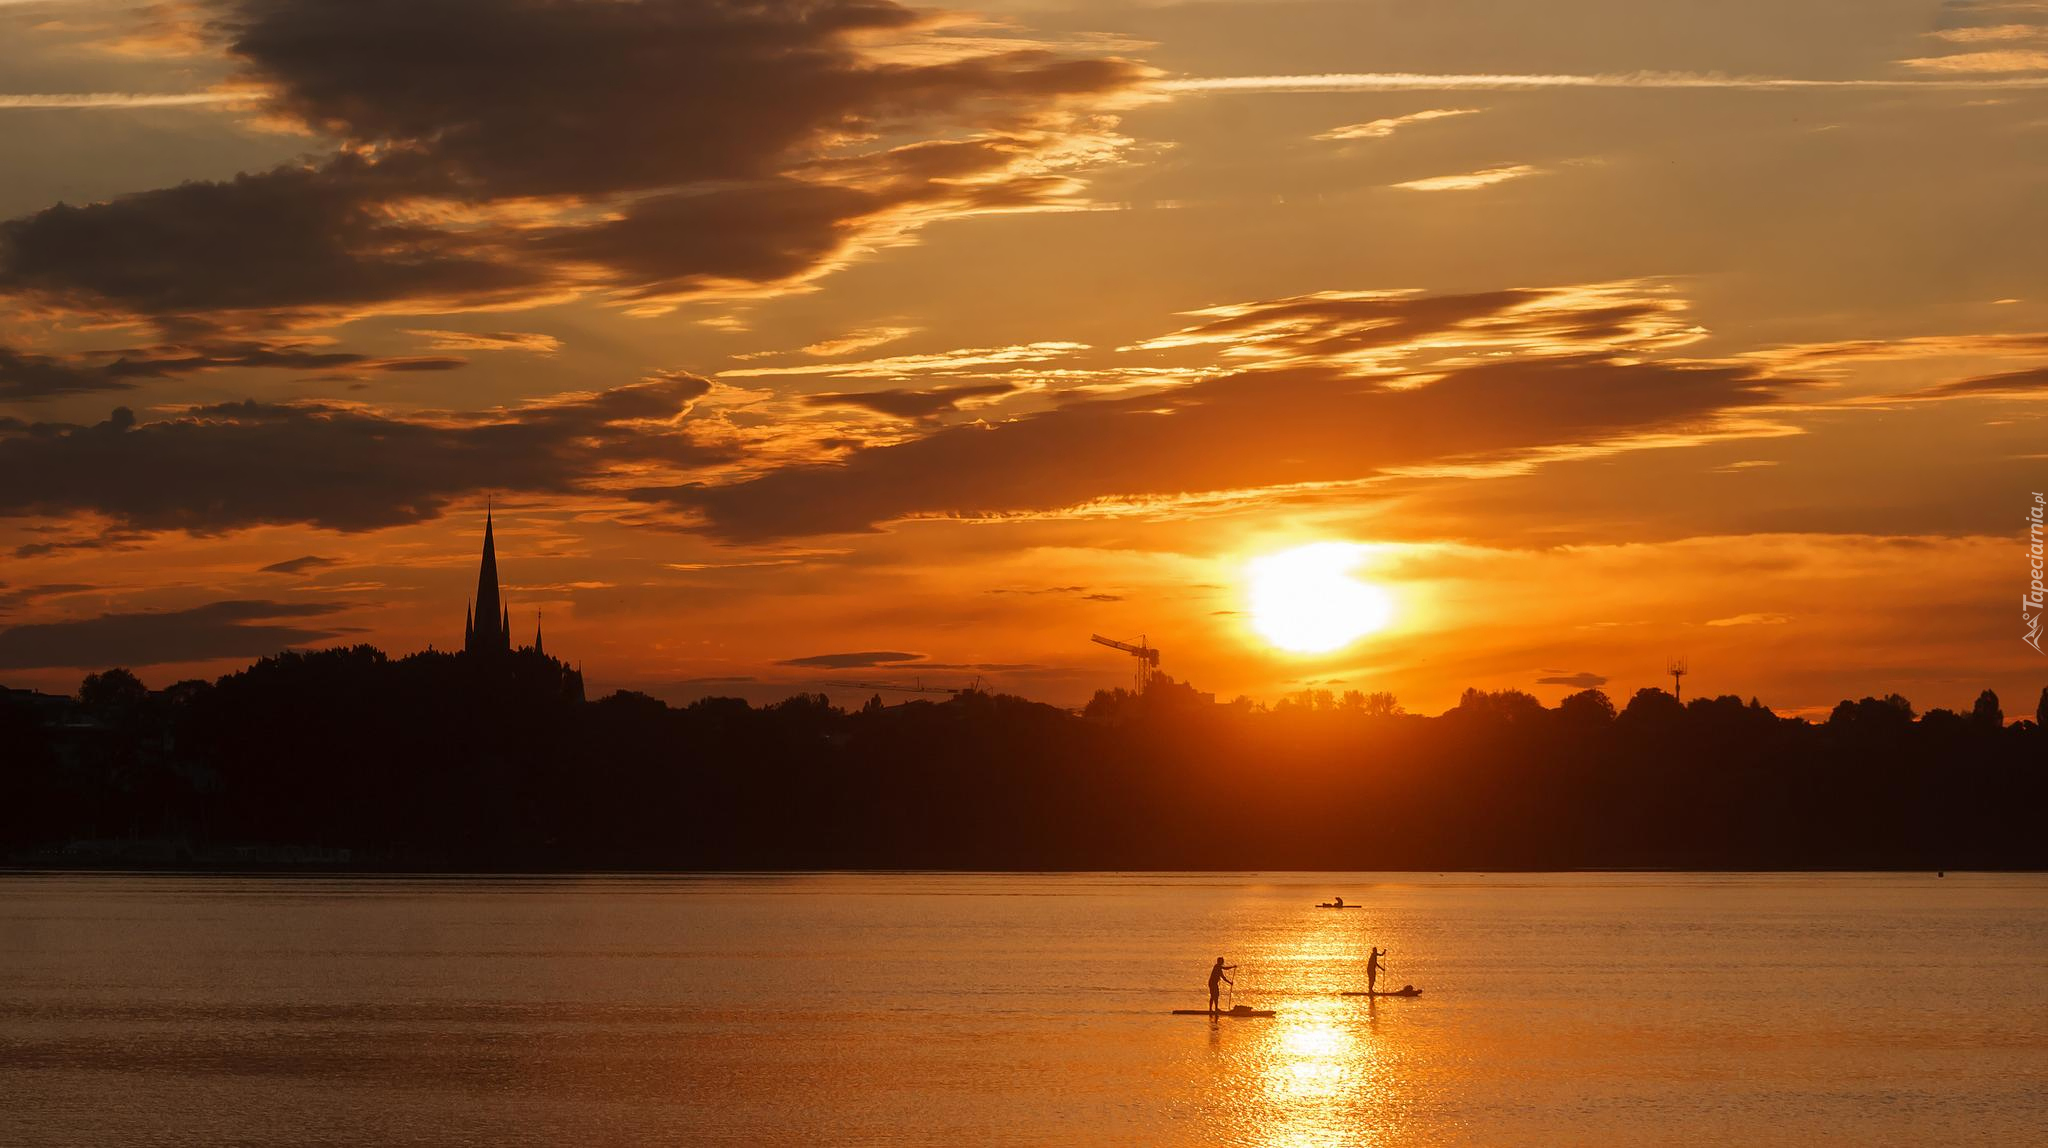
x: 442, y: 761
x: 1587, y: 708
x: 1986, y: 712
x: 115, y: 691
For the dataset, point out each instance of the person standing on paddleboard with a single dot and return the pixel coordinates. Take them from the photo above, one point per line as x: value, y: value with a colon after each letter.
x: 1216, y: 978
x: 1372, y: 969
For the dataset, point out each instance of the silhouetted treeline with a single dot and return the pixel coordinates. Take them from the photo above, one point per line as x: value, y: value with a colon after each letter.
x: 436, y: 760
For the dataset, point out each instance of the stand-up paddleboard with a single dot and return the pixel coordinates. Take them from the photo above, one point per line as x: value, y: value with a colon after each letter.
x: 1410, y: 991
x: 1239, y: 1011
x: 1327, y: 905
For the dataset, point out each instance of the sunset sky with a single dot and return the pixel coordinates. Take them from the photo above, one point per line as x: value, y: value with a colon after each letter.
x: 837, y: 341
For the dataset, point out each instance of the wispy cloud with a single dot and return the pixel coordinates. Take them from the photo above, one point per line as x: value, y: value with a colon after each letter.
x: 1381, y: 129
x: 1485, y: 177
x: 532, y: 341
x: 909, y: 404
x: 909, y: 364
x: 847, y: 344
x: 2003, y: 60
x: 858, y: 341
x: 1485, y: 81
x: 1751, y: 620
x: 1991, y: 34
x: 2031, y: 381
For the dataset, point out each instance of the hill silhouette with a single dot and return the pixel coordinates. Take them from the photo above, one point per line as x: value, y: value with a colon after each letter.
x: 446, y: 761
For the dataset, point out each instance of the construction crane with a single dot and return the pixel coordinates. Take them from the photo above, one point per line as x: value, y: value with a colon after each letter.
x: 1148, y: 657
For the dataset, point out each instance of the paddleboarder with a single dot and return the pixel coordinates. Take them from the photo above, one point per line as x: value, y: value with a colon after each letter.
x: 1216, y: 978
x: 1372, y: 969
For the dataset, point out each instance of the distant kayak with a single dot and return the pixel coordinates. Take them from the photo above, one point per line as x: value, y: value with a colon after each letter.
x: 1411, y: 991
x: 1327, y: 905
x: 1239, y: 1011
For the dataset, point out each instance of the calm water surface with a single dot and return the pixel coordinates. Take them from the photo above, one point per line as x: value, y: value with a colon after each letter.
x: 1001, y: 1009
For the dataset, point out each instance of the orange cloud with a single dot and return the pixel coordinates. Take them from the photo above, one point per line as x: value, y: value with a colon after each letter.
x: 1382, y: 128
x: 1484, y: 177
x: 2003, y: 60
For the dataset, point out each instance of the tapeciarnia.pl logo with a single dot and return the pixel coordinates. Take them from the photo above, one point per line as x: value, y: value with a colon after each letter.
x: 2031, y: 606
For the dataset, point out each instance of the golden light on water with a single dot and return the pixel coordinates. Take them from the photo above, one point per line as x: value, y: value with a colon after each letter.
x: 1309, y: 600
x: 1313, y: 1060
x: 1317, y: 1075
x: 1318, y: 1071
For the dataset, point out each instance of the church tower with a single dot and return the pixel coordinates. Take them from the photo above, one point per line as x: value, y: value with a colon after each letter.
x: 488, y: 628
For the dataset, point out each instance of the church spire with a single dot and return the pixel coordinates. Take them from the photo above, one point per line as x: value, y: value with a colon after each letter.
x: 490, y: 630
x: 537, y: 648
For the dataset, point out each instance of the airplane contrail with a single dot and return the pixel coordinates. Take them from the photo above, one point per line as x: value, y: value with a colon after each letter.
x: 1428, y: 82
x: 114, y: 99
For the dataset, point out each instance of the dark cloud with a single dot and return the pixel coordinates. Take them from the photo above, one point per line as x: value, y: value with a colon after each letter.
x: 546, y: 98
x: 1350, y: 386
x: 26, y: 376
x: 688, y: 242
x: 236, y: 629
x: 119, y: 539
x: 300, y: 565
x: 12, y: 596
x: 265, y: 245
x: 421, y: 363
x: 861, y: 660
x: 1581, y: 680
x: 909, y: 404
x: 240, y: 464
x: 475, y: 137
x: 1244, y: 431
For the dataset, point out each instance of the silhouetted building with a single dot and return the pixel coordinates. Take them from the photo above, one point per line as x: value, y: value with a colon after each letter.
x: 487, y: 623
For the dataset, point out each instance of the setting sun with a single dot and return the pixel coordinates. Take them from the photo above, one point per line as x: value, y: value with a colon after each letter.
x: 1307, y: 600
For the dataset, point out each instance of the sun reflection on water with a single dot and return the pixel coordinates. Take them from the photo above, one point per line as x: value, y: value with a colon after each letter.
x: 1312, y: 1059
x: 1318, y: 1074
